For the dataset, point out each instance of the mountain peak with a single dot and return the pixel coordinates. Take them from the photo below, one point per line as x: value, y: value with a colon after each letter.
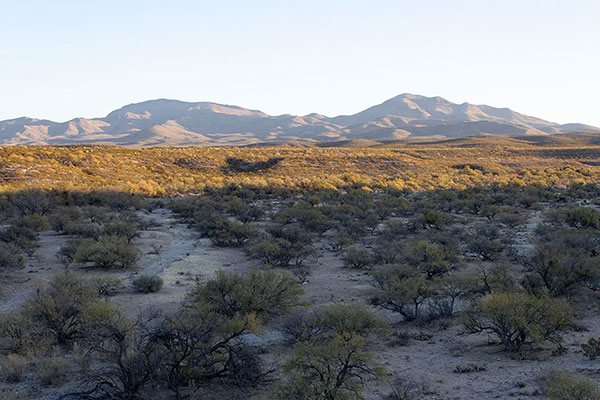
x: 174, y: 122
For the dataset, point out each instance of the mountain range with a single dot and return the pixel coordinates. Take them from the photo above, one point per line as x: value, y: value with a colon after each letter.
x: 177, y: 123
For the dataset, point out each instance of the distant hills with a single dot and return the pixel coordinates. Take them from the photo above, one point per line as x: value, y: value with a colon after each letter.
x: 177, y: 123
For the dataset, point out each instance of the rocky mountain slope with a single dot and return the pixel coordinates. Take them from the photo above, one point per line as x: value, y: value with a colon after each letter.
x: 177, y: 123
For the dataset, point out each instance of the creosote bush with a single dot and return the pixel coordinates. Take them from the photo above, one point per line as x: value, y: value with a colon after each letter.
x: 148, y: 283
x: 105, y: 285
x: 485, y: 248
x: 127, y: 356
x: 63, y: 307
x: 109, y: 252
x: 517, y: 318
x: 560, y: 266
x: 402, y: 290
x: 416, y: 267
x: 357, y: 258
x: 435, y: 220
x: 199, y: 343
x: 407, y: 389
x: 52, y: 371
x: 227, y: 233
x: 34, y: 222
x: 287, y: 247
x: 260, y: 292
x: 19, y: 334
x: 122, y: 229
x: 333, y: 361
x: 9, y: 256
x: 32, y: 201
x: 430, y: 259
x: 66, y: 255
x: 20, y: 237
x: 577, y: 217
x: 13, y: 367
x: 563, y: 385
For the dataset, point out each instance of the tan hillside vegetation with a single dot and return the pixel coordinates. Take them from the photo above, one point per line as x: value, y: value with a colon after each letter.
x: 457, y: 163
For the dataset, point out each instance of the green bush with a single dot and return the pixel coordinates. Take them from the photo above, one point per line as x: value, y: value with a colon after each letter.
x: 52, y: 371
x: 122, y: 229
x: 496, y: 277
x: 299, y: 326
x: 357, y: 258
x: 66, y: 254
x: 281, y: 253
x: 34, y: 222
x: 19, y: 334
x: 511, y: 216
x: 118, y: 201
x: 9, y: 256
x: 402, y: 290
x: 186, y: 207
x: 407, y: 389
x: 349, y: 319
x: 105, y: 285
x: 340, y: 241
x: 125, y: 352
x: 148, y: 283
x: 243, y: 211
x: 387, y: 252
x: 582, y: 217
x: 434, y: 220
x: 231, y: 233
x: 199, y: 344
x: 430, y: 259
x: 352, y: 318
x: 310, y: 217
x: 94, y: 214
x: 109, y: 252
x: 516, y: 318
x: 63, y: 216
x: 32, y: 201
x: 564, y: 385
x: 333, y: 363
x: 21, y: 237
x: 485, y: 248
x: 560, y: 268
x: 392, y: 206
x: 261, y: 292
x: 13, y: 367
x: 336, y: 369
x: 81, y: 229
x: 449, y: 288
x: 60, y: 307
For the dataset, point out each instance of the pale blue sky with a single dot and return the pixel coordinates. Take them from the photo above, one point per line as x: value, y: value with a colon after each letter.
x: 65, y: 59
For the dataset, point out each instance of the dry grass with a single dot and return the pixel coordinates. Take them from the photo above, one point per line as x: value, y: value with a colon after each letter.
x: 456, y: 163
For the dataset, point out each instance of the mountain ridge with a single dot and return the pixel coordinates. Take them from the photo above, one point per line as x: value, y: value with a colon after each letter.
x: 166, y: 122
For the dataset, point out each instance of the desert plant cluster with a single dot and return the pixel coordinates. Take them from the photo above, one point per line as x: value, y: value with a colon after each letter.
x: 248, y: 288
x: 460, y: 163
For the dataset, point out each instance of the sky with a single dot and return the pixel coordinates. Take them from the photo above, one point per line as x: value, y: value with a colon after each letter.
x: 65, y: 59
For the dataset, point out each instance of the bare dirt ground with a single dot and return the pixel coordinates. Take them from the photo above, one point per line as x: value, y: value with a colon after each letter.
x: 168, y: 248
x: 181, y: 258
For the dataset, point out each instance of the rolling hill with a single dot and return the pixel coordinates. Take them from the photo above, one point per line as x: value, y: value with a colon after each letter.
x: 176, y: 123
